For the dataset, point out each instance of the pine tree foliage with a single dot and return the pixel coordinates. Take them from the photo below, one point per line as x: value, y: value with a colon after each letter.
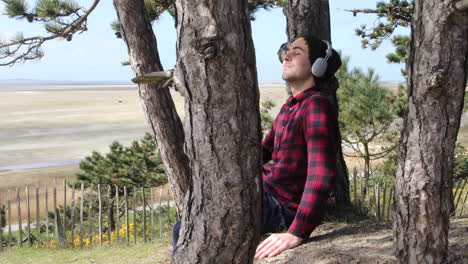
x: 390, y: 16
x: 265, y: 117
x: 155, y: 8
x: 60, y: 18
x: 64, y: 18
x: 460, y: 166
x: 139, y: 165
x: 367, y: 111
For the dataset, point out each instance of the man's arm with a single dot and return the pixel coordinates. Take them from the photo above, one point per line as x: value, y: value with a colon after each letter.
x: 321, y: 169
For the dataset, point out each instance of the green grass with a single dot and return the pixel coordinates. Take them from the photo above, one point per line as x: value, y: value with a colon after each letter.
x: 156, y: 252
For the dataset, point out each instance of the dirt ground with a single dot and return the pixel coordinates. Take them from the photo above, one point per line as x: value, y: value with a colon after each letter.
x: 364, y: 242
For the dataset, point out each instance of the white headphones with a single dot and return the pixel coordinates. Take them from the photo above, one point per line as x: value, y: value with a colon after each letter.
x: 320, y: 65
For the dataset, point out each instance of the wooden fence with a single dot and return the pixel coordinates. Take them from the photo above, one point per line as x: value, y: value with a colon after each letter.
x: 107, y: 214
x: 85, y: 217
x: 378, y: 201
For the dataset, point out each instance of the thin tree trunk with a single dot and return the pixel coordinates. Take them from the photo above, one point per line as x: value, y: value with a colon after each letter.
x: 366, y: 175
x: 217, y: 73
x: 437, y: 69
x: 312, y: 17
x: 157, y: 102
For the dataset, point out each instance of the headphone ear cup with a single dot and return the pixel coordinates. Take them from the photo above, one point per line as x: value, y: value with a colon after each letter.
x: 319, y: 67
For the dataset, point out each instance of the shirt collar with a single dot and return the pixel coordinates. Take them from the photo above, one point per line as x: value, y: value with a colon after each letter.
x: 301, y: 96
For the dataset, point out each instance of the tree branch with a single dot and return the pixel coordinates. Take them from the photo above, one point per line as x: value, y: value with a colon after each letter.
x: 34, y: 43
x: 462, y: 5
x: 356, y: 11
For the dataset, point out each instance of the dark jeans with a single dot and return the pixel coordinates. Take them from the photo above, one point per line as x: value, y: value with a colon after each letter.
x: 276, y: 218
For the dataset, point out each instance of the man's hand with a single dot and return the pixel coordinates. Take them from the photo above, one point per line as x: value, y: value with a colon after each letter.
x: 277, y: 243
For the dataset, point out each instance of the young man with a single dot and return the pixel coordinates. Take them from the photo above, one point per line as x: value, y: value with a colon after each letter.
x: 299, y: 152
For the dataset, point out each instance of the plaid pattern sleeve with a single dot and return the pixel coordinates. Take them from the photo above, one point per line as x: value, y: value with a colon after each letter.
x: 318, y: 130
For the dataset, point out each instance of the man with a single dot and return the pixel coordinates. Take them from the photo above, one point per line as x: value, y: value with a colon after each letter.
x: 299, y: 153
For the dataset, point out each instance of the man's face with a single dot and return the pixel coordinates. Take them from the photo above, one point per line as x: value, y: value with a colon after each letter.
x: 296, y: 64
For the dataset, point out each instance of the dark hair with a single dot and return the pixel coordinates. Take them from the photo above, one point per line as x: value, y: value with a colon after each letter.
x: 317, y: 49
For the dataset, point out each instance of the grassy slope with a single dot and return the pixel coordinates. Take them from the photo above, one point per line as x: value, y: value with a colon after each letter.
x: 142, y: 253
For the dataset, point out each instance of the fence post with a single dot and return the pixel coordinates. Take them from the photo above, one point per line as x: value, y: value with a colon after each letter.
x: 81, y: 215
x: 28, y: 223
x: 100, y: 214
x: 65, y: 209
x: 390, y: 201
x: 361, y: 200
x: 160, y: 212
x: 109, y: 216
x: 152, y: 214
x: 144, y: 213
x: 456, y: 190
x: 126, y: 216
x: 47, y: 214
x: 18, y: 198
x: 57, y: 238
x: 459, y: 196
x: 117, y: 220
x: 10, y: 235
x: 72, y: 217
x: 355, y: 184
x: 135, y: 215
x: 463, y: 204
x: 168, y: 207
x: 38, y: 229
x: 384, y: 200
x: 1, y: 229
x: 59, y: 230
x: 378, y: 201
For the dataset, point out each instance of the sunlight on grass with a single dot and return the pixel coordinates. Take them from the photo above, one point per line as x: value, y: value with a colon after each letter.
x: 141, y: 253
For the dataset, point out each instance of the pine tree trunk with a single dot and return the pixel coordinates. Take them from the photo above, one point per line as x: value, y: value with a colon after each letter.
x: 157, y: 102
x: 312, y: 17
x: 437, y: 70
x: 216, y: 71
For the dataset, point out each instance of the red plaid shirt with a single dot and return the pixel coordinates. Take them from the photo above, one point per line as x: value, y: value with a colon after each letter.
x: 302, y: 146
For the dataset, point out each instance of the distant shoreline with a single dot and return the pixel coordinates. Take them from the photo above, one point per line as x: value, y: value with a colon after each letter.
x: 40, y: 165
x: 38, y: 86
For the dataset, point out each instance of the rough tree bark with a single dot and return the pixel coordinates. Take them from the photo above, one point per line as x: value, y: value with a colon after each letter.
x: 437, y: 77
x: 157, y: 102
x: 216, y: 70
x: 312, y: 17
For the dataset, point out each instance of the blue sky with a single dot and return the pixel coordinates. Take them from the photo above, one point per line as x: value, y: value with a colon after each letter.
x: 96, y: 54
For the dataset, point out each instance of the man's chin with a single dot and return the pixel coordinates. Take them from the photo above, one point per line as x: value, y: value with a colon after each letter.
x: 287, y: 78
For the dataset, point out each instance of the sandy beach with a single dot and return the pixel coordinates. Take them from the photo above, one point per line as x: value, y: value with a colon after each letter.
x: 50, y: 124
